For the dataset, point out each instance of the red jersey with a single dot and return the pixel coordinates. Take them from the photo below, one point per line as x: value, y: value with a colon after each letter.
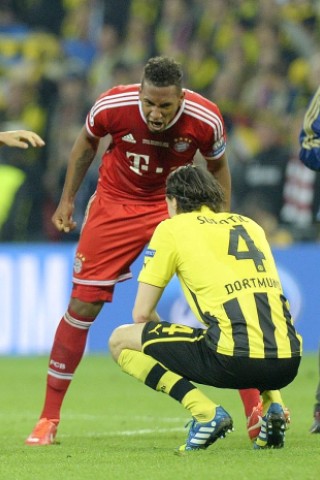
x: 135, y: 167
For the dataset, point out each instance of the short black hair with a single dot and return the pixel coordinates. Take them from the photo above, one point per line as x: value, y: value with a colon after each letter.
x: 163, y: 72
x: 194, y: 186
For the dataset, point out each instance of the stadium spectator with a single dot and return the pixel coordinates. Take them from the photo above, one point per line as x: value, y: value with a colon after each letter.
x: 118, y: 12
x: 79, y: 39
x: 250, y: 340
x: 138, y: 42
x: 201, y: 67
x: 17, y: 198
x: 310, y: 156
x: 263, y: 173
x: 15, y: 186
x: 106, y: 57
x: 39, y: 17
x: 301, y: 191
x: 155, y: 127
x: 174, y: 28
x: 21, y: 111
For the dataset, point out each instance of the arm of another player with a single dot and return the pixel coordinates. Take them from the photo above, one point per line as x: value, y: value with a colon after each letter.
x: 310, y: 135
x: 20, y: 139
x: 81, y: 157
x: 220, y: 169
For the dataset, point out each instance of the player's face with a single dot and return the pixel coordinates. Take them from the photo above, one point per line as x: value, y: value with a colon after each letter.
x: 159, y: 105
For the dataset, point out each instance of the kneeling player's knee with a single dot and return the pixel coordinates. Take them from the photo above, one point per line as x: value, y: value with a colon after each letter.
x: 117, y: 342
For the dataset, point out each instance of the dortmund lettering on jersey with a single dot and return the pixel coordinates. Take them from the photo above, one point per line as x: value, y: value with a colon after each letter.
x: 227, y: 272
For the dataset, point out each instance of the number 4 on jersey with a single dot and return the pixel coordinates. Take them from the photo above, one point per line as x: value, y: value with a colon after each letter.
x: 252, y: 252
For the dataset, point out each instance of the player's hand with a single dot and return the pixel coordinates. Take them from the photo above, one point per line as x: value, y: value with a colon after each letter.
x: 21, y: 139
x: 62, y: 218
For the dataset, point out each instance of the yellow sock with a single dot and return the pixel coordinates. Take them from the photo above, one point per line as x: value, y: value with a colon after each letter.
x: 153, y: 374
x: 271, y: 396
x: 136, y: 363
x: 200, y: 406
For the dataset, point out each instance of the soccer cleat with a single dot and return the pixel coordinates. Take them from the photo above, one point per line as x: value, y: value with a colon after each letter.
x: 315, y: 427
x: 273, y: 428
x: 44, y: 433
x: 254, y: 422
x: 201, y: 434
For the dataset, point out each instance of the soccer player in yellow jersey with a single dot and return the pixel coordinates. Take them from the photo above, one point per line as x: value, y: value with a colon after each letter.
x: 228, y: 274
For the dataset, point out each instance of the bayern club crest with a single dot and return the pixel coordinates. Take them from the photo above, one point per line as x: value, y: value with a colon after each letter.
x: 78, y: 262
x: 181, y: 144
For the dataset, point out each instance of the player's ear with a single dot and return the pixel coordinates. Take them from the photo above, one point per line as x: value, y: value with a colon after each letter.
x: 174, y: 206
x: 175, y: 203
x: 181, y: 97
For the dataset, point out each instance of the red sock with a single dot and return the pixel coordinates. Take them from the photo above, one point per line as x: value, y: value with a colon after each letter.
x: 67, y: 351
x: 250, y: 398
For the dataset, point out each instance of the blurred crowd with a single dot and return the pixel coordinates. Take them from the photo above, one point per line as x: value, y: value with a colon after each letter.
x: 258, y: 60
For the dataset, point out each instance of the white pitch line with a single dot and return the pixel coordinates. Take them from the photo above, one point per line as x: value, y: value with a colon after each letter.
x: 126, y: 433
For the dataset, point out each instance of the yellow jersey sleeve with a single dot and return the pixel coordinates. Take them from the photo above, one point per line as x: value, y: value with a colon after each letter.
x: 160, y: 260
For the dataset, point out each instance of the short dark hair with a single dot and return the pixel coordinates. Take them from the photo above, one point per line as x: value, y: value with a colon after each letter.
x: 193, y: 186
x: 163, y: 72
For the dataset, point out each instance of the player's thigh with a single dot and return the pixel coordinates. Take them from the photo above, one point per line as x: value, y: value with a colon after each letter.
x: 112, y: 237
x: 179, y: 348
x: 130, y: 335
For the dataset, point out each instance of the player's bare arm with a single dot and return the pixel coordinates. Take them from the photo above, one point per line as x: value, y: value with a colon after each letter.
x: 147, y: 298
x: 220, y: 169
x: 21, y: 139
x: 144, y: 311
x: 81, y: 157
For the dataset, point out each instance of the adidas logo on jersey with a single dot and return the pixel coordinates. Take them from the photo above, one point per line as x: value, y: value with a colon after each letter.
x: 129, y: 138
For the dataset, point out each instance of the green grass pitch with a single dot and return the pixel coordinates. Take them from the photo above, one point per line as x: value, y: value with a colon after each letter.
x: 113, y: 427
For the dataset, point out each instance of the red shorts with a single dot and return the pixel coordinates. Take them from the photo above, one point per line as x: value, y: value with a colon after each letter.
x: 112, y: 237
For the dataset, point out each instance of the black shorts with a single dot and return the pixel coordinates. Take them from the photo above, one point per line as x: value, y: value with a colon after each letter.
x: 184, y: 351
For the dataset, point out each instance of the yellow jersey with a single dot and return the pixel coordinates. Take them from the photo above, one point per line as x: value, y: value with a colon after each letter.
x: 229, y: 277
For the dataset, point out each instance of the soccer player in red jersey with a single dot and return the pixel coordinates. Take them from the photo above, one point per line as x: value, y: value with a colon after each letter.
x: 156, y: 126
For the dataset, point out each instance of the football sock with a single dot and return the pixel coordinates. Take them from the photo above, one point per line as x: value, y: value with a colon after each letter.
x: 271, y: 396
x: 250, y: 398
x: 67, y: 351
x: 200, y: 406
x: 156, y: 376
